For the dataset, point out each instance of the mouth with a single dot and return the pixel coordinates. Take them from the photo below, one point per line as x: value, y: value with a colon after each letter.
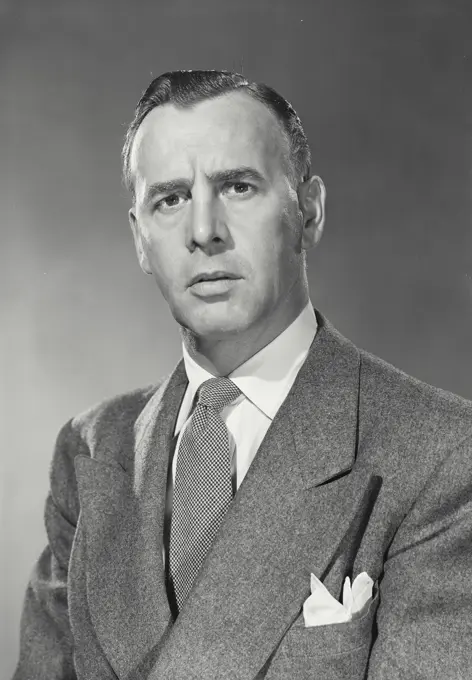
x: 214, y: 285
x: 213, y: 276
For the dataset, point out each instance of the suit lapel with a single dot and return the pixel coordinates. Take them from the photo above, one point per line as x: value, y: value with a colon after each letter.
x: 290, y: 516
x: 123, y: 512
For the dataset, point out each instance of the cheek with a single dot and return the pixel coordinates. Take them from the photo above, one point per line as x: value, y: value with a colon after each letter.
x: 163, y: 256
x: 272, y: 237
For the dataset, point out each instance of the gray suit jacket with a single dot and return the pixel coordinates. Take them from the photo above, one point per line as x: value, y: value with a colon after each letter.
x: 362, y: 469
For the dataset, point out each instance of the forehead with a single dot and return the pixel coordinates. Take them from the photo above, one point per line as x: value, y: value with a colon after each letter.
x: 231, y: 130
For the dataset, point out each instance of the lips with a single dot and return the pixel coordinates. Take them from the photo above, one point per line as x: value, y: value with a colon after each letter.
x: 212, y: 276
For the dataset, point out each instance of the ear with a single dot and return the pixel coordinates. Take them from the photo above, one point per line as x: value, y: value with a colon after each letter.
x: 311, y: 199
x: 139, y: 243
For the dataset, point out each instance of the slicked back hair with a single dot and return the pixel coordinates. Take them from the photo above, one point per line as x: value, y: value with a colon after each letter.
x: 186, y: 88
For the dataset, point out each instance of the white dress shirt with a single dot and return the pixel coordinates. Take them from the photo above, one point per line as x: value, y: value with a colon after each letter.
x: 264, y: 380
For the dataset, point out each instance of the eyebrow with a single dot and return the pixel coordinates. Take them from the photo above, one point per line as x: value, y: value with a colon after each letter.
x: 233, y: 175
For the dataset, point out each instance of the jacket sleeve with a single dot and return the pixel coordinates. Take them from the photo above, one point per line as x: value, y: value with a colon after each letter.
x: 425, y: 614
x: 46, y: 643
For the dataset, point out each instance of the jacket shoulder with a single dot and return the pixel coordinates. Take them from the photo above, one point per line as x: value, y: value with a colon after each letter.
x: 409, y: 411
x: 395, y: 383
x: 107, y: 425
x: 106, y: 428
x: 121, y: 409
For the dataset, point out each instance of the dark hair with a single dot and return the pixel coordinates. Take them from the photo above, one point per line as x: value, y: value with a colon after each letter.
x: 184, y: 88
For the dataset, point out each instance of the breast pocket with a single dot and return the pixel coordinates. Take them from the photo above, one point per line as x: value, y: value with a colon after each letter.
x: 332, y: 652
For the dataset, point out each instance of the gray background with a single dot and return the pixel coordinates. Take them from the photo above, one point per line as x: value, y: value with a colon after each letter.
x: 384, y: 91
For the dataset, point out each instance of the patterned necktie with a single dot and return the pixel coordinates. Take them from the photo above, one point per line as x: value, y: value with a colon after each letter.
x: 203, y: 486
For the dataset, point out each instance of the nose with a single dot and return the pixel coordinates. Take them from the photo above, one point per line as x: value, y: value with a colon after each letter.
x: 207, y: 228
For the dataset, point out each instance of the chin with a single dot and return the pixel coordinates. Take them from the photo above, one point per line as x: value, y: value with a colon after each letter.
x: 215, y: 322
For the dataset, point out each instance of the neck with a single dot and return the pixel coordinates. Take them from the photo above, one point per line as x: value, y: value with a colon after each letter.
x: 222, y: 356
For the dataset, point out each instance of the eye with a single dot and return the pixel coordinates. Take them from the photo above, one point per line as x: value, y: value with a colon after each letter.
x: 171, y: 203
x: 238, y: 188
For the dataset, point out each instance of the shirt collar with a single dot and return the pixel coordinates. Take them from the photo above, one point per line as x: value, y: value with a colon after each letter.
x: 266, y: 378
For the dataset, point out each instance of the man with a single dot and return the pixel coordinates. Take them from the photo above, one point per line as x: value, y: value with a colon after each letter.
x: 189, y: 522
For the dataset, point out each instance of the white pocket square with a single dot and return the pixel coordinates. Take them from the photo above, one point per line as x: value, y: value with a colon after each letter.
x: 321, y: 608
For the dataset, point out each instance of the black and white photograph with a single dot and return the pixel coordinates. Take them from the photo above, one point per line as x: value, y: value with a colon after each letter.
x: 236, y: 265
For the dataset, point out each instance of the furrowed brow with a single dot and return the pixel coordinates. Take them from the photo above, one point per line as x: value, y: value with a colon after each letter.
x: 232, y: 175
x: 167, y: 187
x: 236, y: 175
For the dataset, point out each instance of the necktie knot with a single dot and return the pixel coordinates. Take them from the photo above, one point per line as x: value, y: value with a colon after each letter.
x: 217, y: 393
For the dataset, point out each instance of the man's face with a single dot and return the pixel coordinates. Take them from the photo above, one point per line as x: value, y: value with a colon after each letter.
x: 213, y: 195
